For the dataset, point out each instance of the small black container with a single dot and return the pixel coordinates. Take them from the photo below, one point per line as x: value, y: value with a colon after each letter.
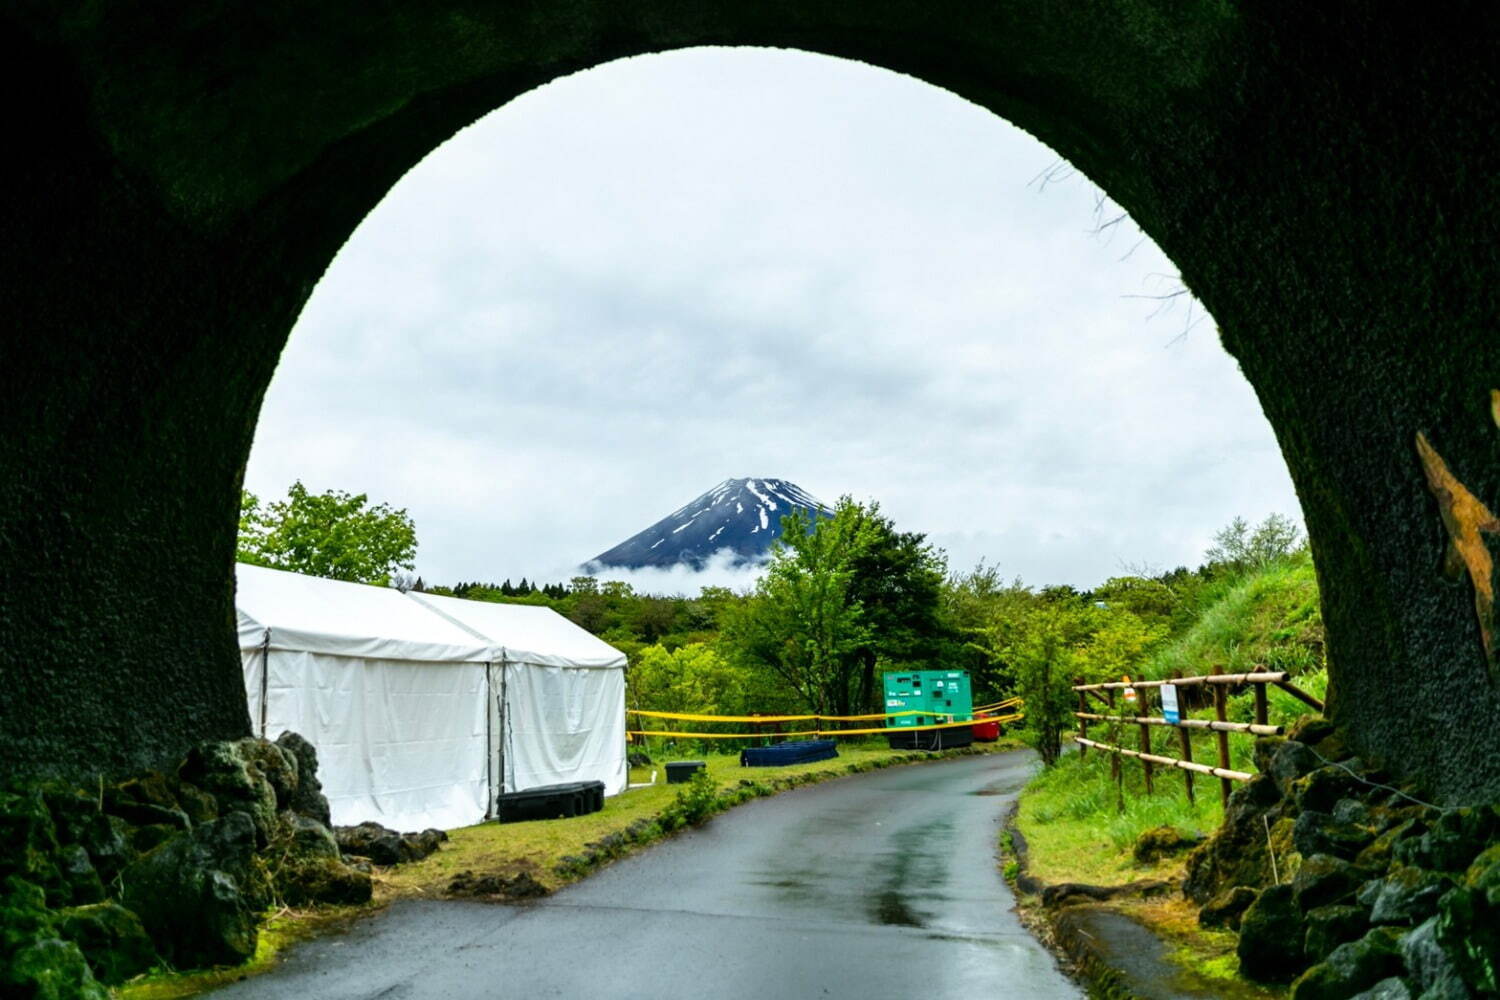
x: 679, y: 771
x: 576, y: 798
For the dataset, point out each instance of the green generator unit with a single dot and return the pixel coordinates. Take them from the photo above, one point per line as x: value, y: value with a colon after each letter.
x: 936, y: 696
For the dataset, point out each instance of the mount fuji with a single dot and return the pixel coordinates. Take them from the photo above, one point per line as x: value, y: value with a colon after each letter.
x: 741, y: 515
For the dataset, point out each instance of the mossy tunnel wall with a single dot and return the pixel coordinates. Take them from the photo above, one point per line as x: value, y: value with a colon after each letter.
x: 181, y: 174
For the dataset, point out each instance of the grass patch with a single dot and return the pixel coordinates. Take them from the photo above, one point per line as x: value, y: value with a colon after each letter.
x: 1270, y: 617
x: 1075, y: 832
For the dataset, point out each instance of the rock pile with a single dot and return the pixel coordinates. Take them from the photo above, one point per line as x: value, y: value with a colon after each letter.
x: 97, y: 886
x: 1347, y: 887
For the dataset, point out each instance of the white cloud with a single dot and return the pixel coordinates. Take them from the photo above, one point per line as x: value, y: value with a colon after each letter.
x: 641, y: 280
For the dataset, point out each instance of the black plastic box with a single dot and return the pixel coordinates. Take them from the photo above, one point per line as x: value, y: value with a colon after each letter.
x: 576, y: 798
x: 679, y: 771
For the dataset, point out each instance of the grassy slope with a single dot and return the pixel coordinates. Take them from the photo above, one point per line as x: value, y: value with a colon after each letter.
x: 1069, y: 815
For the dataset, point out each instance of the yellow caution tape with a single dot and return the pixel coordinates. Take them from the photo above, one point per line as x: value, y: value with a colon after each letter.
x: 823, y: 732
x: 690, y: 717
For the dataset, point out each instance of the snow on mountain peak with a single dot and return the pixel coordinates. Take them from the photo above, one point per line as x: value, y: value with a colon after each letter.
x: 741, y: 515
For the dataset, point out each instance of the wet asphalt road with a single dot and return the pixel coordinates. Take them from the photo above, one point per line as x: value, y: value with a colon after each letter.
x: 882, y: 885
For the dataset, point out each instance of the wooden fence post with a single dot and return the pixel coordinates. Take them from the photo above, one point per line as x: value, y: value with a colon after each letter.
x: 1262, y: 714
x: 1221, y: 698
x: 1186, y: 742
x: 1140, y: 711
x: 1114, y: 758
x: 1083, y: 724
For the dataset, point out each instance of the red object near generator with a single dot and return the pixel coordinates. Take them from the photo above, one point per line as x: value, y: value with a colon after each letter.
x: 986, y: 731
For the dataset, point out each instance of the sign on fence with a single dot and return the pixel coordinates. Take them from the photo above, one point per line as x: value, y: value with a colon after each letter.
x: 1169, y: 704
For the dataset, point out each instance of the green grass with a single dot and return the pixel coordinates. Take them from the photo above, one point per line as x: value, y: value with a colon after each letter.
x: 1270, y: 617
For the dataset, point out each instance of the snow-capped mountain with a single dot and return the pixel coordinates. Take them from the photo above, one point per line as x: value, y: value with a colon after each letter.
x: 741, y: 515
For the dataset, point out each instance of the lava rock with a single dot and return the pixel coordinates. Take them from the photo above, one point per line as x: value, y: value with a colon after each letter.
x: 1430, y: 966
x: 1225, y: 909
x: 277, y: 765
x: 107, y: 839
x: 306, y: 837
x: 1408, y: 896
x: 1160, y: 842
x: 30, y: 844
x: 1381, y: 851
x: 308, y: 799
x: 1454, y: 839
x: 1352, y: 968
x: 416, y: 846
x: 220, y: 768
x: 147, y: 838
x: 1322, y: 789
x: 1267, y: 927
x: 1310, y: 730
x: 34, y: 961
x: 199, y: 893
x: 1468, y: 926
x: 323, y: 880
x: 111, y: 937
x: 370, y: 840
x: 1330, y: 926
x: 78, y: 871
x: 72, y: 812
x: 1290, y: 761
x: 521, y: 886
x: 1324, y: 879
x: 1316, y: 832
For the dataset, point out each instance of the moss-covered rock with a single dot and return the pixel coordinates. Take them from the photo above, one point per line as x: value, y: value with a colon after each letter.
x: 221, y: 769
x: 30, y: 844
x: 1468, y: 923
x: 78, y: 871
x: 1323, y: 880
x: 200, y: 893
x: 1330, y: 926
x: 35, y: 964
x: 1408, y: 895
x: 277, y: 765
x: 1269, y: 931
x: 322, y: 880
x: 1317, y: 832
x: 1352, y: 968
x: 1225, y: 909
x: 1161, y: 842
x: 308, y: 799
x: 1453, y: 839
x: 1386, y: 989
x: 112, y: 939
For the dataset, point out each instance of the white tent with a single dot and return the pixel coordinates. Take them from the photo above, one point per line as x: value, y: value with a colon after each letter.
x: 423, y: 708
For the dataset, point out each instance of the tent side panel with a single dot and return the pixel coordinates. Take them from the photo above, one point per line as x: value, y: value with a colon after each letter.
x: 566, y: 724
x: 399, y: 742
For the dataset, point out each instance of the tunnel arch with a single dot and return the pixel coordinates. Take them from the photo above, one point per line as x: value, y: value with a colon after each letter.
x: 1323, y: 178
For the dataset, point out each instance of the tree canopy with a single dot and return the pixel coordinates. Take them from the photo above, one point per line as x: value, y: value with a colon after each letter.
x: 338, y: 535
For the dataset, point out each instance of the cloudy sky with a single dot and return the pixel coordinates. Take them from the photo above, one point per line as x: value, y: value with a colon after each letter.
x: 629, y: 285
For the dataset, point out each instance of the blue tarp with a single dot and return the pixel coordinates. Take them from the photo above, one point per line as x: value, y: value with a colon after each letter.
x: 782, y: 754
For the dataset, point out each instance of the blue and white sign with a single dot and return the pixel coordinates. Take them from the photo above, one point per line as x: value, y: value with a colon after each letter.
x: 1169, y: 704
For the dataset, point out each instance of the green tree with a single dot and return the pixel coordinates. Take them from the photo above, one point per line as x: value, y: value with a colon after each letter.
x: 897, y: 582
x: 1239, y: 546
x: 337, y: 535
x: 803, y: 621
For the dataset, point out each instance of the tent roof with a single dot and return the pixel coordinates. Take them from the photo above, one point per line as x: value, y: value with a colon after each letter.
x: 311, y: 614
x: 526, y: 633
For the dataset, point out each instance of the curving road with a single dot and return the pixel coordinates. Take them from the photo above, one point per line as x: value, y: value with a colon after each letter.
x: 882, y: 885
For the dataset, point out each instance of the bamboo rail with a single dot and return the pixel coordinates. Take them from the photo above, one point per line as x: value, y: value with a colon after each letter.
x: 1186, y: 765
x: 1137, y: 693
x: 1228, y: 727
x: 1276, y: 677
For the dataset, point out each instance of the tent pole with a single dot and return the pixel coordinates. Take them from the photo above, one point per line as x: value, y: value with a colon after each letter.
x: 489, y: 754
x: 265, y: 679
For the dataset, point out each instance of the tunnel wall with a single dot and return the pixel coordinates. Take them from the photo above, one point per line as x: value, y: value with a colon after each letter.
x: 1325, y: 179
